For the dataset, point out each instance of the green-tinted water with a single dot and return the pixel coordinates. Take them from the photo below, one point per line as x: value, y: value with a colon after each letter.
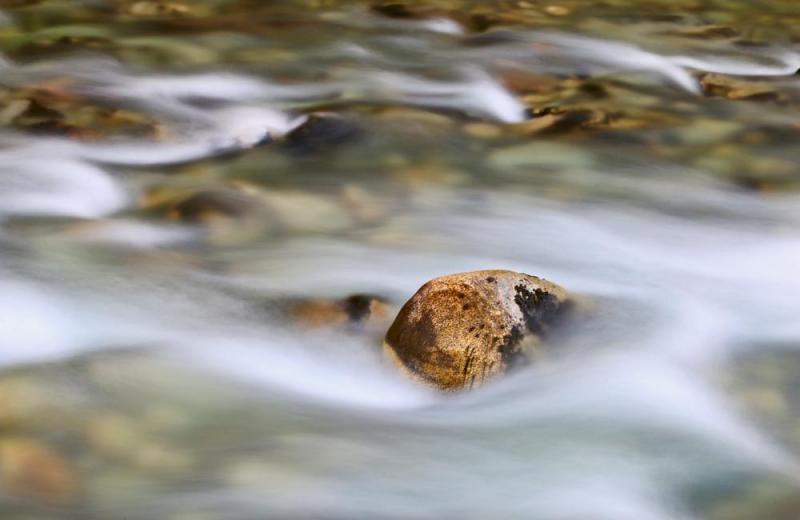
x: 188, y: 190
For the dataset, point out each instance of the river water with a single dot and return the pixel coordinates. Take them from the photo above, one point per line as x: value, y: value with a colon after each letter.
x: 174, y: 176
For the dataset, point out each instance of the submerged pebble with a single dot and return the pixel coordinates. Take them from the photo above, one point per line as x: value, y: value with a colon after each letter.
x: 358, y: 311
x: 31, y: 468
x: 461, y: 330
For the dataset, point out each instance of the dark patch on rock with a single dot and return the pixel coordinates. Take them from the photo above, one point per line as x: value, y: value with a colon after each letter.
x: 593, y: 89
x: 538, y: 308
x: 393, y: 10
x: 479, y: 22
x: 509, y: 349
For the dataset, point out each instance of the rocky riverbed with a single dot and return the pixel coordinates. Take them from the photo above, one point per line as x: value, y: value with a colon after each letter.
x: 212, y: 212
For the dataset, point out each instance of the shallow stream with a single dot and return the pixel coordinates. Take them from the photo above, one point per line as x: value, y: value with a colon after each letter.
x: 176, y: 178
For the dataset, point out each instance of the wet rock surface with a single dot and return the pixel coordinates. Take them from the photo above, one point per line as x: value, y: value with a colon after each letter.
x: 461, y: 330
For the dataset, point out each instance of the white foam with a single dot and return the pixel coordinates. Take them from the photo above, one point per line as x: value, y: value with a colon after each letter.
x: 615, y: 55
x: 130, y: 233
x: 338, y: 373
x: 476, y: 92
x: 35, y: 181
x: 33, y: 327
x: 441, y: 25
x: 786, y: 64
x: 567, y: 52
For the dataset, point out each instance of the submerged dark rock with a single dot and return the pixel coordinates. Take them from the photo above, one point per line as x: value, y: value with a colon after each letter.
x: 461, y: 330
x: 321, y: 132
x: 207, y: 204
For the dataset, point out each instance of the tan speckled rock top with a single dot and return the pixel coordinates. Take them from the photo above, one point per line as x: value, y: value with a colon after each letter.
x: 460, y: 330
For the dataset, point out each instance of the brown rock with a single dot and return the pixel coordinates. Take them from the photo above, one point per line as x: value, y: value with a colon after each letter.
x: 29, y: 467
x: 360, y: 311
x: 203, y: 206
x: 460, y: 330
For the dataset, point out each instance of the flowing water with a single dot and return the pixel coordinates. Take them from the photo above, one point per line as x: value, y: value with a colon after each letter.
x: 175, y: 176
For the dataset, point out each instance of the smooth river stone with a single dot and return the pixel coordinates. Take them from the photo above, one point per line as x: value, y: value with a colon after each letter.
x: 461, y: 330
